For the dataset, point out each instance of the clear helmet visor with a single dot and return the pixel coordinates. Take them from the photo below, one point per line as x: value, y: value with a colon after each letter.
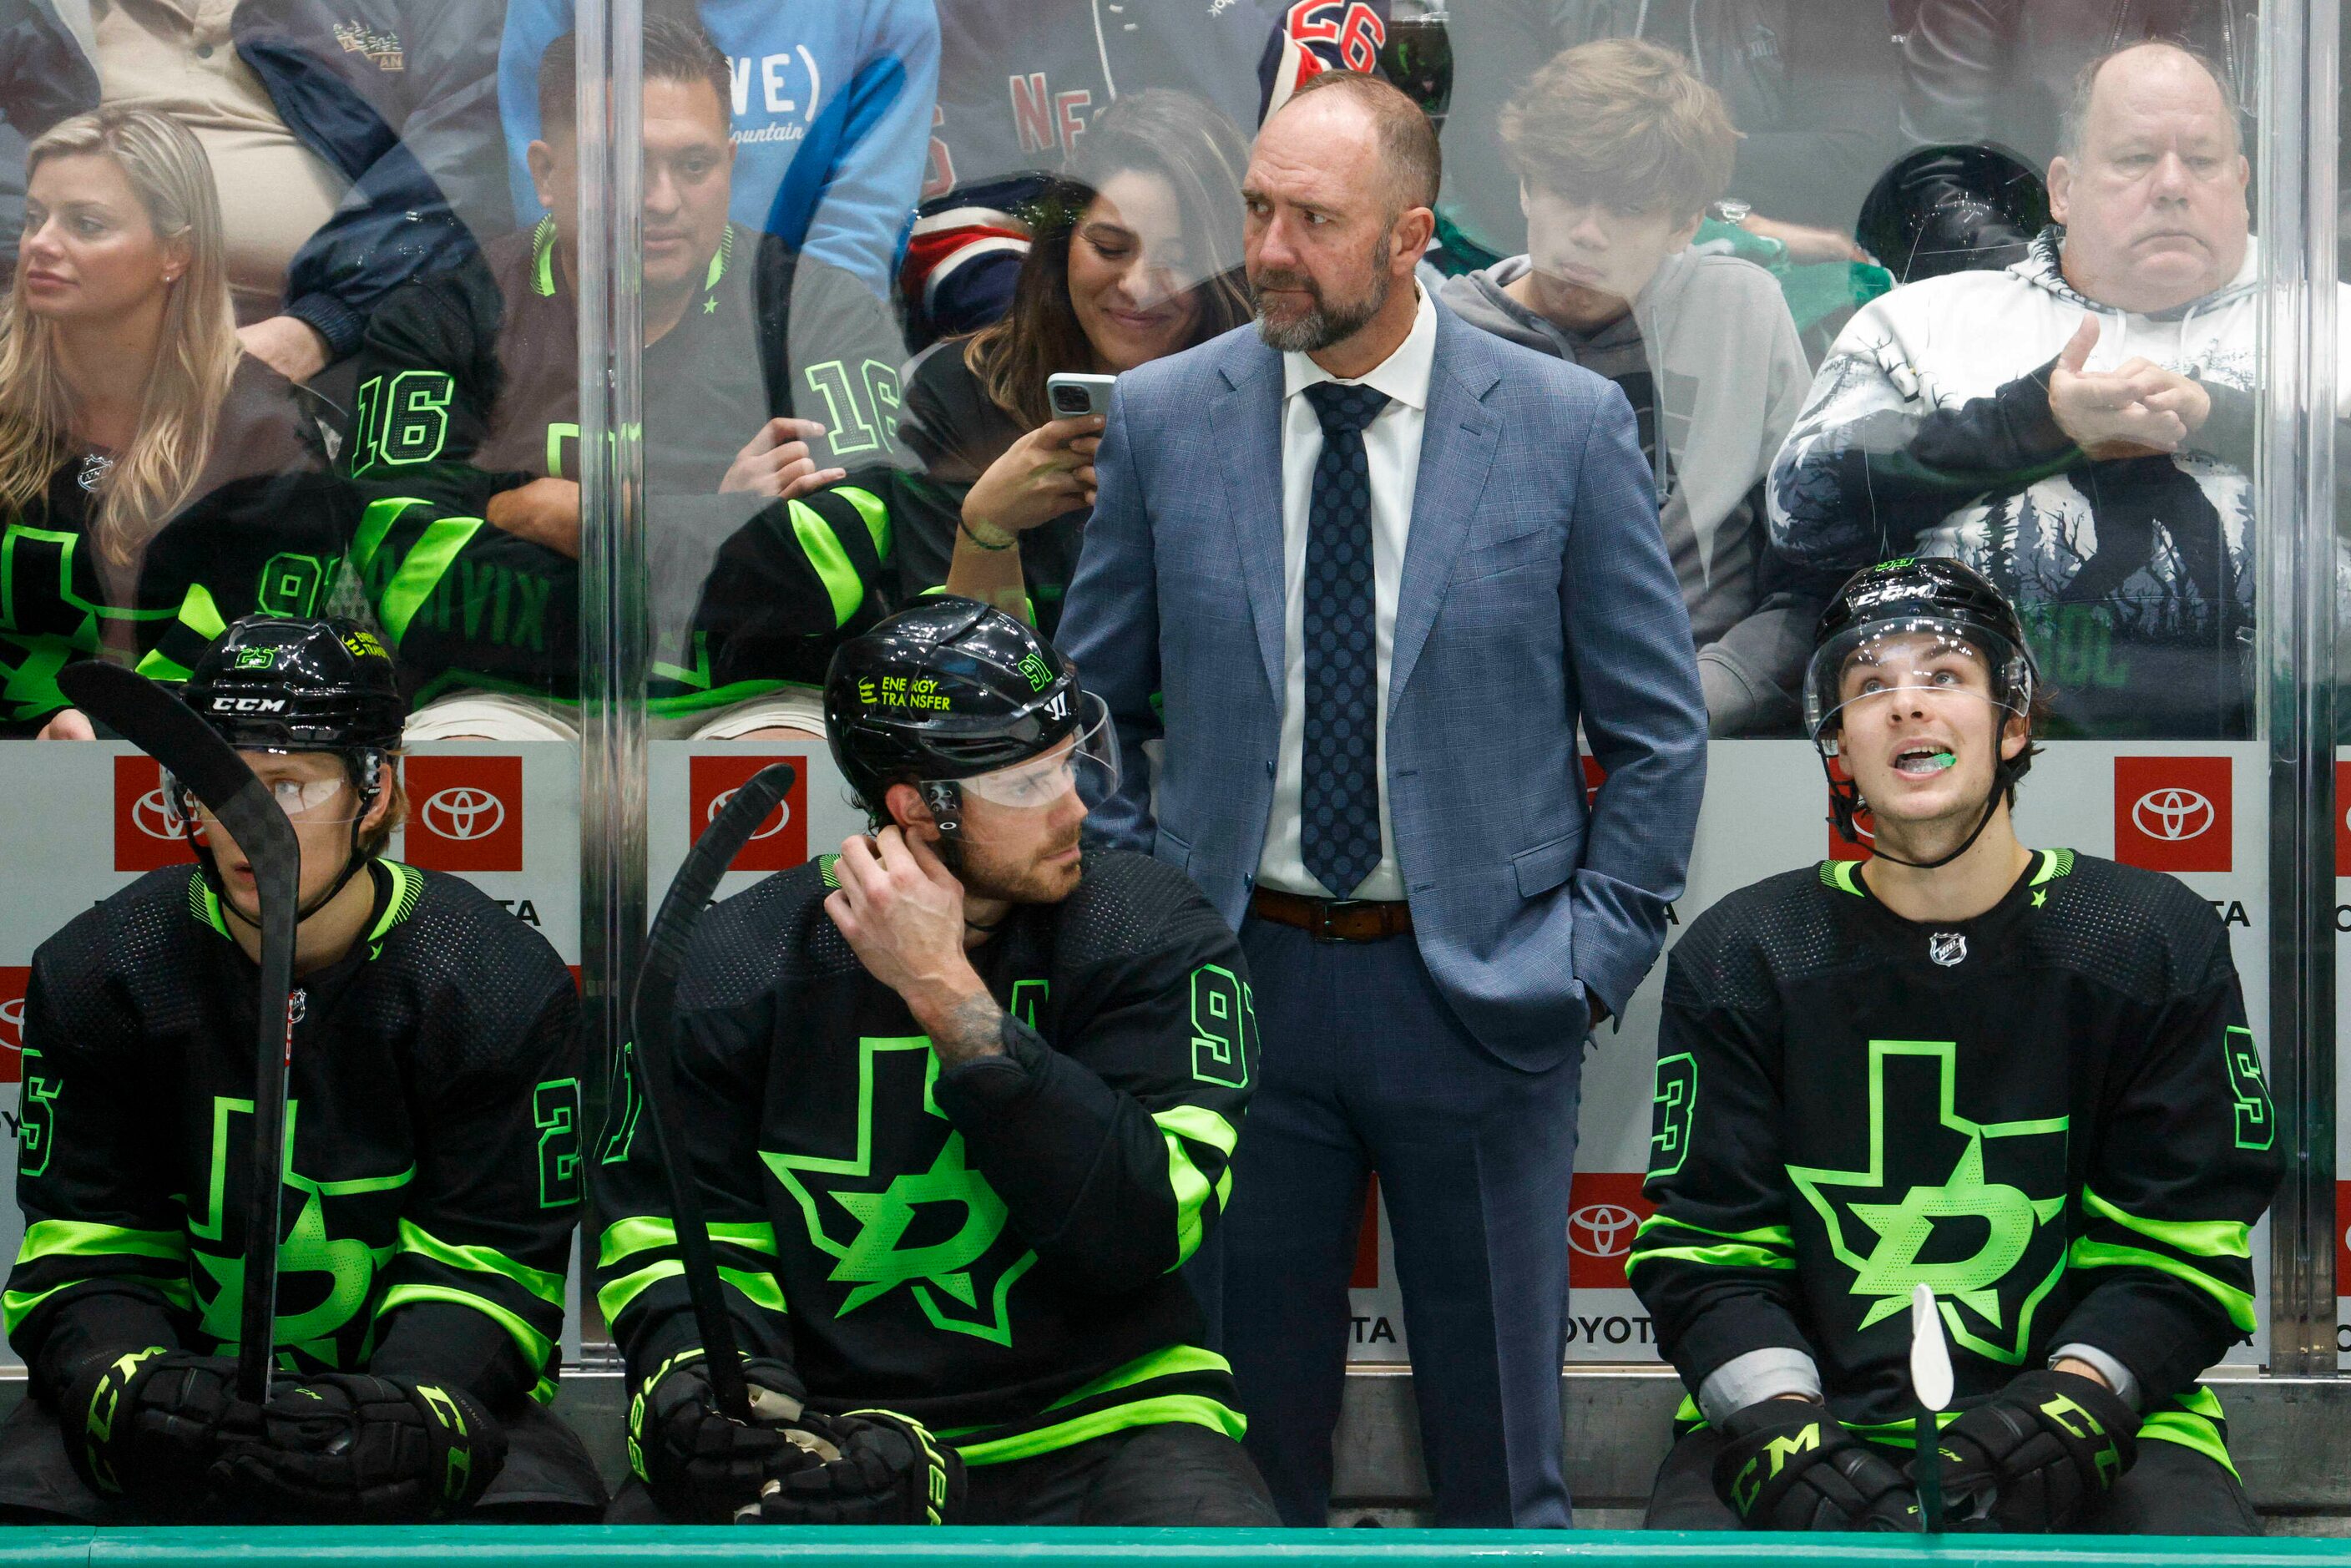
x: 332, y: 800
x: 1085, y: 760
x: 1873, y: 669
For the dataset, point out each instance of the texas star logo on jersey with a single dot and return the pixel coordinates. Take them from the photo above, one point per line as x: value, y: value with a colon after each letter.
x: 1972, y: 1210
x: 939, y: 1232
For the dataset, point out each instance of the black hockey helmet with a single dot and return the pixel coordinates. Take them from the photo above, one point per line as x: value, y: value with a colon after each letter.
x: 274, y: 682
x: 951, y: 690
x: 277, y: 684
x: 1911, y: 597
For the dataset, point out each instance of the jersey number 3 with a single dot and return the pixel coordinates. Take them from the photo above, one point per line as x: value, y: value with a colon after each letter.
x: 1676, y: 1099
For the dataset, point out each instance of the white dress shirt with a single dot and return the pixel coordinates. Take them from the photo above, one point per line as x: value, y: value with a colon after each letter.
x: 1392, y: 454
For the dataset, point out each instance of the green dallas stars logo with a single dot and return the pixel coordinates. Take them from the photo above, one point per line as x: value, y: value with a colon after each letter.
x: 940, y: 1274
x: 1902, y: 1233
x: 336, y: 1275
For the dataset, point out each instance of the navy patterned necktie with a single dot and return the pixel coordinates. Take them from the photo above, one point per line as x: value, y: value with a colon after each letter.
x: 1339, y: 804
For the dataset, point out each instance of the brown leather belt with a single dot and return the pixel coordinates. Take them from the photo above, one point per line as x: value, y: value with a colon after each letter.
x: 1335, y: 919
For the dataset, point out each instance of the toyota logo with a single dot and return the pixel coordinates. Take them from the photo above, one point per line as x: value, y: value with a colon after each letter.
x: 155, y: 816
x: 464, y: 813
x: 2172, y: 815
x: 1602, y: 1229
x: 718, y: 804
x: 12, y: 1024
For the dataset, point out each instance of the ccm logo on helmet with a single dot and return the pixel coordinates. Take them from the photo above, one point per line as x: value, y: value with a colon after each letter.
x: 249, y: 704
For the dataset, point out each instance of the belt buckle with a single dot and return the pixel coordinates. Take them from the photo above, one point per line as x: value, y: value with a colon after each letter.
x: 1326, y: 908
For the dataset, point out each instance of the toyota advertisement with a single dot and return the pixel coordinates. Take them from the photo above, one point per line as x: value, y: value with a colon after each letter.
x: 507, y: 818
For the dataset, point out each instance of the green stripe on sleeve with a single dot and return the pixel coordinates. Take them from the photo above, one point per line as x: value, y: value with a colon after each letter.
x: 375, y: 523
x: 82, y: 1238
x: 1200, y: 1125
x: 759, y: 1290
x: 1191, y: 1189
x: 823, y: 548
x: 547, y: 1287
x: 1731, y: 1255
x: 1768, y: 1236
x: 536, y: 1346
x: 16, y: 1306
x: 2197, y: 1237
x: 645, y: 1233
x: 1170, y: 1362
x: 427, y: 561
x: 2088, y: 1254
x: 869, y: 507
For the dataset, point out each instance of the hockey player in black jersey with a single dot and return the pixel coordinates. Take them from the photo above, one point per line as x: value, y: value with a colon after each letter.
x: 2020, y: 1077
x: 960, y: 1101
x: 432, y: 1175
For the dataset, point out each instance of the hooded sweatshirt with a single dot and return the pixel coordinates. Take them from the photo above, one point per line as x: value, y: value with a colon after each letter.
x: 1711, y: 346
x: 1929, y: 433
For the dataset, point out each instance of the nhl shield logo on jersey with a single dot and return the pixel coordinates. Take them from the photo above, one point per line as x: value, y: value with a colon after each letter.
x: 1949, y: 949
x: 1971, y: 1209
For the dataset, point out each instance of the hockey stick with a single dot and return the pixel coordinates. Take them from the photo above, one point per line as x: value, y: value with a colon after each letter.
x: 1930, y: 1378
x: 159, y: 724
x: 653, y: 1027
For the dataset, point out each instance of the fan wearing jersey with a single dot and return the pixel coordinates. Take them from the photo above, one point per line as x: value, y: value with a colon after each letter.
x: 2022, y: 1078
x: 961, y: 1100
x: 433, y: 1159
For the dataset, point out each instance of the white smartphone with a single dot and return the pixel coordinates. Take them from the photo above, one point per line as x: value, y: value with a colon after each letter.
x: 1071, y: 395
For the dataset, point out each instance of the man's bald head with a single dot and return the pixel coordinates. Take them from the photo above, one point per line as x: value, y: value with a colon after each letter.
x: 2133, y: 64
x: 1408, y: 147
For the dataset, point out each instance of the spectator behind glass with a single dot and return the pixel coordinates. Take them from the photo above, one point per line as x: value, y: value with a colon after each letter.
x: 465, y: 449
x: 1810, y: 83
x: 155, y: 481
x: 1618, y: 149
x: 828, y: 107
x: 2079, y: 427
x: 1021, y: 83
x: 1995, y: 75
x: 1136, y: 256
x: 355, y: 146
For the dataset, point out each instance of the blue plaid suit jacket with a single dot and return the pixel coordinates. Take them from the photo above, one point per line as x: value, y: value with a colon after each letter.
x: 1536, y: 592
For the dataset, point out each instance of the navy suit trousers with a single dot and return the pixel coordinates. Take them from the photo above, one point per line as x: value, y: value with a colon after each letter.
x: 1365, y: 1068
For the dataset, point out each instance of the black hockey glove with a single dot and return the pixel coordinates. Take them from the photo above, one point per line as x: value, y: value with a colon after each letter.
x: 890, y: 1471
x: 703, y: 1466
x: 1788, y: 1463
x: 2038, y: 1454
x: 347, y: 1446
x: 148, y: 1425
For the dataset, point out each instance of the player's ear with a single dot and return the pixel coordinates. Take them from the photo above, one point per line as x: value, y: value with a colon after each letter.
x: 2014, y: 736
x: 907, y: 809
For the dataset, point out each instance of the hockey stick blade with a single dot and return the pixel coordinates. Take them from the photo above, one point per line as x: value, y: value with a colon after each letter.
x: 653, y: 1028
x: 159, y: 724
x: 1930, y: 1379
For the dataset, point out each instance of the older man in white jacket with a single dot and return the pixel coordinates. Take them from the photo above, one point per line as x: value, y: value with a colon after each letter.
x: 2078, y: 427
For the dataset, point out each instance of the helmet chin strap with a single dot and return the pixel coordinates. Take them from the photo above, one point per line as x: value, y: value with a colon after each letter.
x: 1845, y: 803
x: 208, y: 866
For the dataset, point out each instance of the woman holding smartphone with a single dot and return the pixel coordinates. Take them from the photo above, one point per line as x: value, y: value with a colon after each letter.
x: 1136, y: 254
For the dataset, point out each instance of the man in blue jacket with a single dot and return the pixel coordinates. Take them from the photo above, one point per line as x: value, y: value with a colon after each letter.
x: 1364, y: 567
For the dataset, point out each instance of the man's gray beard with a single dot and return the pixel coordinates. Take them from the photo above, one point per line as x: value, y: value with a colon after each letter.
x: 1321, y: 327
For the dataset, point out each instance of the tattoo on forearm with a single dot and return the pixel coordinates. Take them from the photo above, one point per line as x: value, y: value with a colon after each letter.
x: 971, y: 1030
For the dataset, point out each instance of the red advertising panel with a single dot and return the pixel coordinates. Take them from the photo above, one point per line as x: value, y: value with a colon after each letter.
x: 781, y: 841
x: 1605, y: 1208
x: 2173, y: 813
x: 146, y: 828
x: 1840, y: 847
x: 464, y: 813
x: 13, y: 979
x: 2343, y: 819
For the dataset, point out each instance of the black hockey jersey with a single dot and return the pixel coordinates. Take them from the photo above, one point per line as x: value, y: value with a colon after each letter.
x: 468, y: 386
x: 2052, y: 1115
x: 990, y: 1249
x: 431, y: 1114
